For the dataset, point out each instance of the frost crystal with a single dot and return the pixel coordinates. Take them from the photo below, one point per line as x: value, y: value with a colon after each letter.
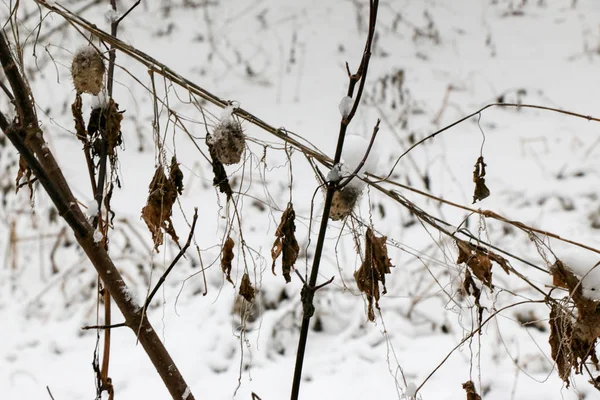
x: 346, y: 106
x: 98, y: 236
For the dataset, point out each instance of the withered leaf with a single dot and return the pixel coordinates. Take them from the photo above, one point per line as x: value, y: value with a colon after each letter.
x: 481, y: 191
x: 573, y: 337
x: 246, y: 289
x: 471, y: 392
x: 220, y: 180
x: 157, y: 213
x: 25, y: 171
x: 227, y: 258
x: 176, y: 175
x: 479, y: 263
x: 372, y: 271
x: 78, y: 117
x: 286, y: 243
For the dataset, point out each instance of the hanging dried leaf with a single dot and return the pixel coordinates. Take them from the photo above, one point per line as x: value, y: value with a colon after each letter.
x: 157, y: 213
x: 479, y: 263
x: 372, y: 271
x: 113, y: 126
x: 470, y: 288
x: 471, y: 392
x: 561, y: 331
x: 25, y: 171
x: 78, y: 117
x: 286, y: 243
x: 573, y: 338
x: 176, y: 175
x: 227, y: 258
x: 220, y: 180
x: 481, y: 191
x: 246, y: 289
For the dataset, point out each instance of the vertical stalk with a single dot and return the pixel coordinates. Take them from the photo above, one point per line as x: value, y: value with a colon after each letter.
x: 309, y: 288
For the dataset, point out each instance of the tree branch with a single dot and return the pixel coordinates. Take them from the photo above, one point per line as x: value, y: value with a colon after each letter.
x: 27, y: 139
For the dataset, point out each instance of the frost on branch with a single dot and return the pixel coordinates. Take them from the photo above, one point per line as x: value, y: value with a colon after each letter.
x: 346, y: 106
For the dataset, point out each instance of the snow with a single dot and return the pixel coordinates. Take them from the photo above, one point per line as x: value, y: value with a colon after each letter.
x: 186, y: 394
x: 353, y: 153
x: 287, y: 66
x: 98, y: 236
x: 346, y: 106
x: 111, y: 15
x: 92, y: 208
x: 226, y: 114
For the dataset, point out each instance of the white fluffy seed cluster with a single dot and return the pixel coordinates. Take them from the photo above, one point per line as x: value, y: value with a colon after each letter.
x: 228, y: 139
x: 87, y: 70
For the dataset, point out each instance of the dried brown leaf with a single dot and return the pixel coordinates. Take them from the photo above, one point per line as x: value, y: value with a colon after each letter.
x: 481, y: 190
x: 78, y: 117
x: 227, y: 258
x: 286, y: 243
x: 471, y: 392
x: 24, y: 171
x: 372, y: 271
x: 561, y: 331
x: 479, y: 263
x: 157, y: 213
x: 246, y: 289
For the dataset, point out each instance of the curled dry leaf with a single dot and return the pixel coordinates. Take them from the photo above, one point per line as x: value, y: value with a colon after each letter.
x: 373, y: 269
x: 286, y: 243
x: 471, y: 392
x: 105, y: 125
x: 481, y: 191
x: 246, y: 289
x: 573, y: 336
x: 157, y: 213
x: 227, y: 258
x: 480, y: 261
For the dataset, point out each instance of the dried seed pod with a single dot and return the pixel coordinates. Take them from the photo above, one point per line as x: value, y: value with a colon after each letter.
x: 87, y: 70
x: 228, y: 141
x: 343, y: 202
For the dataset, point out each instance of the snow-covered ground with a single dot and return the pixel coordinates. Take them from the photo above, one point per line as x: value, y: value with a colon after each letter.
x: 433, y: 63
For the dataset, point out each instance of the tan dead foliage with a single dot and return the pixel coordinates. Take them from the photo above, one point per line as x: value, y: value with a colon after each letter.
x: 227, y: 258
x: 246, y: 289
x: 373, y: 269
x: 573, y: 336
x: 286, y: 243
x: 481, y: 190
x: 471, y: 392
x: 162, y: 194
x: 24, y: 171
x: 480, y: 261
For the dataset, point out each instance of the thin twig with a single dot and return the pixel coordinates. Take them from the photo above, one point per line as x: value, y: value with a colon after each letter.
x: 107, y: 327
x: 174, y: 262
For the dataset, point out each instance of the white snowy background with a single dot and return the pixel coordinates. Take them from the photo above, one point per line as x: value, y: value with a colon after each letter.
x: 433, y: 63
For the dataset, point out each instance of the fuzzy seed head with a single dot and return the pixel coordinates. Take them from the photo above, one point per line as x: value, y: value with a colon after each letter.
x: 228, y: 141
x: 343, y: 202
x: 87, y: 70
